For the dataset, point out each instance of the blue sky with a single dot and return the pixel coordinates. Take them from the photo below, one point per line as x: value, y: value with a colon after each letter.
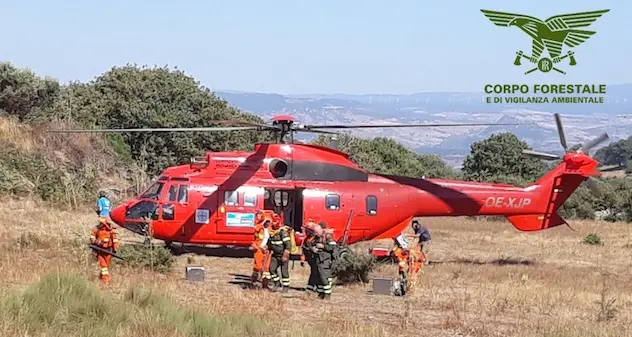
x: 324, y: 46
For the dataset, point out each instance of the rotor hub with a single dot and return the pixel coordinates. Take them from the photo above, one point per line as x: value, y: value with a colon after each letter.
x: 577, y: 159
x: 286, y: 125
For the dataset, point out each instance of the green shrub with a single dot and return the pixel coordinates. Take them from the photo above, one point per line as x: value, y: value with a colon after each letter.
x: 24, y: 174
x: 355, y: 267
x: 68, y: 305
x: 593, y: 239
x: 157, y: 258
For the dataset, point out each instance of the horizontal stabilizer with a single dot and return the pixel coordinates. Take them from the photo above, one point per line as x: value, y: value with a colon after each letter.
x: 536, y: 222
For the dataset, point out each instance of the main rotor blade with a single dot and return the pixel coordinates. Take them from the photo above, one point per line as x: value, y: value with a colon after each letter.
x: 375, y: 126
x: 319, y: 131
x: 542, y: 155
x: 609, y: 168
x: 200, y: 129
x: 592, y: 186
x: 589, y: 145
x: 244, y: 123
x: 560, y: 131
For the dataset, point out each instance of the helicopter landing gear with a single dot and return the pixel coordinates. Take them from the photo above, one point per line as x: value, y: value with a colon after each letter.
x: 342, y: 253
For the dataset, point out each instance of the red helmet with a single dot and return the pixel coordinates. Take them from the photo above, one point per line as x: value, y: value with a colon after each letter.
x: 259, y: 217
x: 276, y: 220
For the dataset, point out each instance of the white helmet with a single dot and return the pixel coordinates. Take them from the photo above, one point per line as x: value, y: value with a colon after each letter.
x: 402, y: 241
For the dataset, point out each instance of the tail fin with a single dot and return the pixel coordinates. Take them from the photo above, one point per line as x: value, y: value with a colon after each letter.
x: 536, y: 222
x: 555, y: 188
x: 558, y: 184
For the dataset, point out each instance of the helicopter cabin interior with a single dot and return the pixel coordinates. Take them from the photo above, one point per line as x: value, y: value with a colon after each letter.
x: 288, y: 203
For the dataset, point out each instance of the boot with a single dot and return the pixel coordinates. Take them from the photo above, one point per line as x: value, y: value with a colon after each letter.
x: 321, y: 296
x: 327, y: 297
x: 253, y: 280
x: 265, y: 283
x: 279, y: 287
x: 275, y: 286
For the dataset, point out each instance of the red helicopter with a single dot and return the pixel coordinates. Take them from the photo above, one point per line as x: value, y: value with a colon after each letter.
x: 214, y: 200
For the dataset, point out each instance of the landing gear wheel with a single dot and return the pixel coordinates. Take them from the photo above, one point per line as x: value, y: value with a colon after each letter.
x: 343, y: 253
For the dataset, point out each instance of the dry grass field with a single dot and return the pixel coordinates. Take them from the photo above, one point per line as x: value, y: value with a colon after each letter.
x: 484, y: 279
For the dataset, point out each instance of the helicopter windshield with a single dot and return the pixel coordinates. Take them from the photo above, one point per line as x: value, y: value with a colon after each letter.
x: 153, y: 192
x: 143, y: 209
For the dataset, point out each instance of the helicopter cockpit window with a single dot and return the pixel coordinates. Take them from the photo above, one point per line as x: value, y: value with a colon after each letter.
x: 142, y: 209
x: 173, y: 189
x: 153, y: 192
x: 250, y: 199
x: 332, y: 202
x: 281, y: 198
x: 168, y: 212
x: 183, y: 195
x: 231, y: 198
x: 371, y: 205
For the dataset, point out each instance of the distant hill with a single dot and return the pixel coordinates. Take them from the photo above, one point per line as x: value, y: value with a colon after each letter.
x: 618, y: 101
x: 581, y: 121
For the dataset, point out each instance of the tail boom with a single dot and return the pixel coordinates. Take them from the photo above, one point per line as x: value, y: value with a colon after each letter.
x: 530, y: 208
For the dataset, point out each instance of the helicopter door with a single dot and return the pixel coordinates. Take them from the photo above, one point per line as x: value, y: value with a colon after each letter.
x: 297, y: 210
x: 288, y: 204
x: 175, y: 202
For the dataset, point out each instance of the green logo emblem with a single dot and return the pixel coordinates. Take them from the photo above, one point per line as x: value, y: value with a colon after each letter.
x: 551, y: 33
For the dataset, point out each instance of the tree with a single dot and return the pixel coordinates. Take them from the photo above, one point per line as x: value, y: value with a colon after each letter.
x: 24, y: 94
x: 133, y: 97
x: 499, y: 158
x: 386, y: 156
x: 617, y: 153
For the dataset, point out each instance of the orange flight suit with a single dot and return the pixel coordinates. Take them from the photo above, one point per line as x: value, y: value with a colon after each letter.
x: 416, y: 261
x: 104, y: 236
x: 401, y: 255
x: 259, y: 253
x: 261, y: 263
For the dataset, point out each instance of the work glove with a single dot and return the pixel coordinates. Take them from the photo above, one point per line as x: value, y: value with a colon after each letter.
x: 320, y: 245
x: 314, y: 249
x: 97, y: 242
x: 285, y: 257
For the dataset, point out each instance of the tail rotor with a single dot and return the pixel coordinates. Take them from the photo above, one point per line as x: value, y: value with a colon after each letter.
x: 584, y: 148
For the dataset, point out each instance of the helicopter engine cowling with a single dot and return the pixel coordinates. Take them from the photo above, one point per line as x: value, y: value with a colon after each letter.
x: 278, y: 167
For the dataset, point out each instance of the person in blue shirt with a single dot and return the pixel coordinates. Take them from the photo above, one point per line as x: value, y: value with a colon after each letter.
x: 423, y: 234
x: 103, y: 206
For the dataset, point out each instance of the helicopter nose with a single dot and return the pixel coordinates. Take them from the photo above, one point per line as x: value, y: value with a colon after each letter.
x: 118, y: 214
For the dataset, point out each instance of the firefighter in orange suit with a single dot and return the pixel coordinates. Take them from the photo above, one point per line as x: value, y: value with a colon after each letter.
x: 279, y: 246
x: 401, y: 254
x: 416, y: 260
x: 260, y: 247
x: 104, y: 236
